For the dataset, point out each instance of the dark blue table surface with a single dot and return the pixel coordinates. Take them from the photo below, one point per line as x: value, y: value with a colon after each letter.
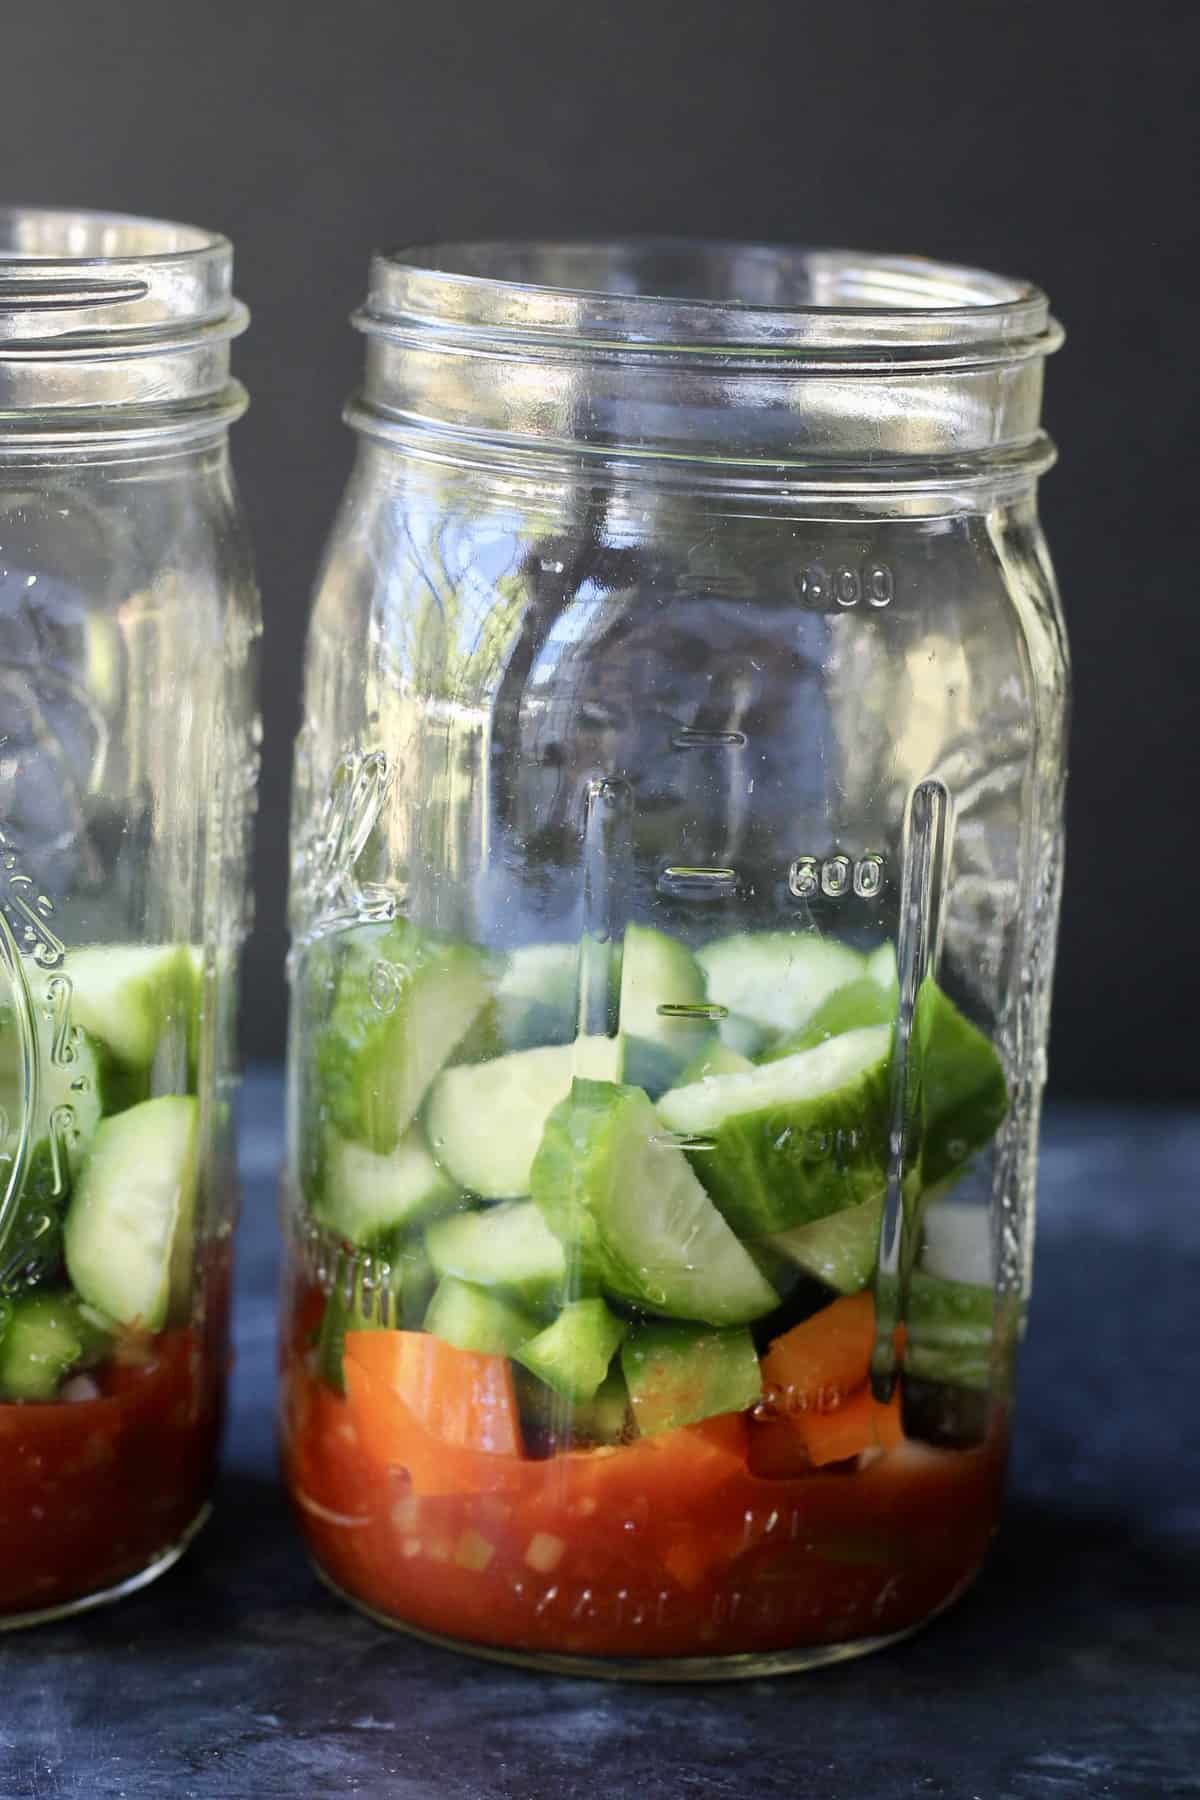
x: 1070, y: 1672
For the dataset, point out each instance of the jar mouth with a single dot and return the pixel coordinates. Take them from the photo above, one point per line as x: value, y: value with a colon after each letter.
x: 100, y: 311
x: 706, y: 296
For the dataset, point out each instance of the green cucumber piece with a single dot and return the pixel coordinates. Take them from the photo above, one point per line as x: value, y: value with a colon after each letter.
x: 48, y: 1337
x: 573, y: 1354
x: 508, y: 1246
x: 32, y: 1246
x: 657, y: 971
x: 537, y: 995
x: 629, y: 1210
x: 128, y: 1233
x: 714, y: 1058
x: 404, y: 999
x: 680, y: 1374
x: 365, y: 1197
x: 478, y: 1318
x: 776, y: 979
x: 606, y: 1418
x: 949, y: 1331
x: 794, y: 1140
x: 963, y: 1093
x: 125, y: 994
x: 849, y: 1008
x: 957, y: 1241
x: 485, y: 1120
x: 840, y: 1250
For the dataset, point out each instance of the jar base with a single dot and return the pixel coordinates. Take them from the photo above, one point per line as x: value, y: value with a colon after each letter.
x: 66, y: 1609
x: 749, y: 1666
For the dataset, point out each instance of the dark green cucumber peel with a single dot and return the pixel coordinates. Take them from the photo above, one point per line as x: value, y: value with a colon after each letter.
x: 963, y: 1093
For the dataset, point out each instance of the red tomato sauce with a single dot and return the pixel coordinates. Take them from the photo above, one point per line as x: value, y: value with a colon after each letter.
x: 701, y: 1542
x: 94, y: 1491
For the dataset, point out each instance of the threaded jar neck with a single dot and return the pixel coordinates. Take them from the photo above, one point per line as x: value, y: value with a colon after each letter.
x: 114, y: 324
x: 709, y: 352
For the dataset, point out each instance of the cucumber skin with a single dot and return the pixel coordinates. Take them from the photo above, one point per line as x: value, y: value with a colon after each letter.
x: 964, y: 1096
x: 679, y: 1375
x: 367, y: 1070
x: 791, y: 1164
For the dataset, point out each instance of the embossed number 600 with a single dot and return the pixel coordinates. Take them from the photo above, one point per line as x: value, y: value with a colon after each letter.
x: 835, y: 877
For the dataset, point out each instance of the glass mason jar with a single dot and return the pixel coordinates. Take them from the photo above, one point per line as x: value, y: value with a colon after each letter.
x: 128, y: 749
x: 676, y: 865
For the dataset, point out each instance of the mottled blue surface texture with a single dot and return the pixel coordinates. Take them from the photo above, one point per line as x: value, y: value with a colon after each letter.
x: 1071, y: 1672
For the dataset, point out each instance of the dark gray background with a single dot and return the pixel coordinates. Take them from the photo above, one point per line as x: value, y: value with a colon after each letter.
x: 1047, y: 139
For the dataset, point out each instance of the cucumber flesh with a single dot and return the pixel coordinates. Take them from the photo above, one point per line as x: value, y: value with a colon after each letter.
x: 657, y: 970
x: 881, y: 967
x: 849, y: 1008
x: 840, y: 1250
x: 477, y: 1318
x: 128, y: 1233
x: 537, y: 995
x: 365, y: 1197
x: 48, y: 1337
x: 794, y: 1140
x: 573, y: 1354
x: 957, y: 1240
x: 714, y: 1058
x: 508, y: 1246
x: 776, y: 979
x: 404, y: 999
x: 485, y: 1120
x: 680, y: 1374
x: 126, y: 994
x: 626, y: 1204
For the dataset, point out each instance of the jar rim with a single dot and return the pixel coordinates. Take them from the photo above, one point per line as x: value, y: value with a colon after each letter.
x: 101, y: 311
x: 709, y: 295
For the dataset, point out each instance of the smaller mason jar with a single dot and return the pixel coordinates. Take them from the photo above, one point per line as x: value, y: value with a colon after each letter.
x: 675, y: 877
x: 128, y: 755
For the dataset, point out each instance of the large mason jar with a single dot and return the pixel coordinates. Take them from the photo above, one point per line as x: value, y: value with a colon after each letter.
x: 128, y: 745
x: 676, y: 863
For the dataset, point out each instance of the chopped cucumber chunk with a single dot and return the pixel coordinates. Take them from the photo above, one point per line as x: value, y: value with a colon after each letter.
x: 849, y: 1008
x: 624, y: 1200
x: 48, y: 1336
x: 794, y: 1140
x: 658, y: 971
x: 32, y: 1246
x: 957, y: 1240
x: 478, y: 1318
x: 404, y: 999
x: 840, y: 1250
x: 775, y: 979
x: 881, y: 967
x: 485, y: 1120
x: 128, y: 1235
x: 508, y: 1246
x: 949, y: 1331
x: 125, y: 994
x: 680, y: 1374
x: 537, y: 995
x: 963, y: 1093
x: 573, y: 1354
x: 366, y: 1197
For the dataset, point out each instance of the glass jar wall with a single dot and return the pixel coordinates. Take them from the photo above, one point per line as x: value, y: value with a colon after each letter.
x: 128, y: 750
x: 676, y: 854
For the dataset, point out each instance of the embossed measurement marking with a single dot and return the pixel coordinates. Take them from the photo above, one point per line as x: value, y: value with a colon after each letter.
x: 691, y: 1009
x: 698, y: 883
x: 694, y: 739
x: 836, y: 876
x: 821, y: 585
